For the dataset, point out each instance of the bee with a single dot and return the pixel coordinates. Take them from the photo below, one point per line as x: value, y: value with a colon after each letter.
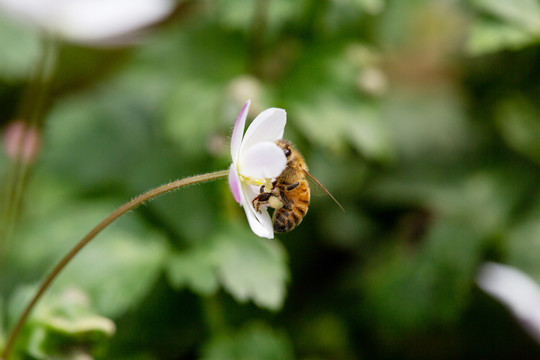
x: 290, y: 193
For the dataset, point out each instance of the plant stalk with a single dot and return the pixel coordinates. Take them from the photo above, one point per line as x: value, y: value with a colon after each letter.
x: 31, y: 112
x: 92, y: 234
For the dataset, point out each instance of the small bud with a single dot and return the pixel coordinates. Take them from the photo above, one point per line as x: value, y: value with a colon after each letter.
x: 21, y: 141
x: 246, y: 87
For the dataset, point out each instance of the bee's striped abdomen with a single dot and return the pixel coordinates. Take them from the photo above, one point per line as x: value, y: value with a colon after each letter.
x: 286, y: 219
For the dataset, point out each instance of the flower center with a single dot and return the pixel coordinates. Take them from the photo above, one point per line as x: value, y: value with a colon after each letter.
x: 257, y: 182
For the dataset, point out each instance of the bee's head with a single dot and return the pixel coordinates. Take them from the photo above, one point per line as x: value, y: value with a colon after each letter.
x: 294, y: 158
x: 287, y: 148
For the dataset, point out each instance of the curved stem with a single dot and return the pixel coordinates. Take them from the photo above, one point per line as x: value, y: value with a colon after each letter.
x: 96, y: 230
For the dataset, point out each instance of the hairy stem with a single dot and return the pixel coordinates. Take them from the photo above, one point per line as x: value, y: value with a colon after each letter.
x: 96, y: 230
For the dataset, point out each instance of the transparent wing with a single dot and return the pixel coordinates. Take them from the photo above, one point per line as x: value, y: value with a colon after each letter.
x: 318, y: 188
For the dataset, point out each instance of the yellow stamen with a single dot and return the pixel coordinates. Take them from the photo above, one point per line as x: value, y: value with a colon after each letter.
x: 268, y: 185
x: 253, y: 181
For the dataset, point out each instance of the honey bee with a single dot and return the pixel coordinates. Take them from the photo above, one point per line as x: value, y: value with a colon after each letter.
x: 290, y: 193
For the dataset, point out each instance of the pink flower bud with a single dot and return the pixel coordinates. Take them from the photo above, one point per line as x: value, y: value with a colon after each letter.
x: 21, y: 141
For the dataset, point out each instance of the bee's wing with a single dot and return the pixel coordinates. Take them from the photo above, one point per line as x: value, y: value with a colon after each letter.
x: 315, y: 188
x: 320, y: 187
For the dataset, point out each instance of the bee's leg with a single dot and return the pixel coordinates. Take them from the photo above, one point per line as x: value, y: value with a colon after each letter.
x: 292, y: 186
x: 284, y: 200
x: 260, y: 199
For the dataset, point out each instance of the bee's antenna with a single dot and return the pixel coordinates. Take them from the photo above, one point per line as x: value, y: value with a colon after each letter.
x: 322, y: 186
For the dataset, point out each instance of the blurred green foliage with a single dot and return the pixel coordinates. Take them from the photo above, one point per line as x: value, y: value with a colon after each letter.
x: 421, y: 117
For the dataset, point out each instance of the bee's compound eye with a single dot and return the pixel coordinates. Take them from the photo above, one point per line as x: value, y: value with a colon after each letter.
x: 287, y: 152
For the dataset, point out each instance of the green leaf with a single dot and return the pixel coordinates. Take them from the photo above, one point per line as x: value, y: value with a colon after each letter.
x: 519, y: 125
x: 253, y: 341
x: 246, y: 266
x: 425, y: 123
x: 325, y: 333
x: 430, y: 288
x: 524, y: 13
x: 328, y: 120
x: 62, y: 325
x: 486, y: 195
x: 194, y: 268
x: 239, y: 14
x: 324, y: 103
x: 21, y: 50
x: 523, y: 242
x: 487, y: 36
x: 192, y: 117
x: 523, y: 246
x: 195, y: 105
x: 516, y: 25
x: 250, y: 267
x: 116, y: 269
x: 372, y: 7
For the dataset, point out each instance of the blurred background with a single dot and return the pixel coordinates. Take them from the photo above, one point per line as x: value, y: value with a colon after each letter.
x: 421, y: 117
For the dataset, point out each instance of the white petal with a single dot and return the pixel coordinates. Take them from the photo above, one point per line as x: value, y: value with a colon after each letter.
x: 95, y: 20
x: 267, y: 126
x: 238, y: 131
x: 89, y: 20
x: 36, y: 12
x: 234, y: 184
x: 260, y: 223
x: 264, y: 160
x: 516, y: 290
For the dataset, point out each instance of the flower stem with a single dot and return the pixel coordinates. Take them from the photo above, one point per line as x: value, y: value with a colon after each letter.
x: 258, y: 31
x: 96, y: 230
x: 32, y: 113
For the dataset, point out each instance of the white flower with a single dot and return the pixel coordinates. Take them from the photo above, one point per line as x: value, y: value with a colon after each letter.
x: 516, y: 290
x: 88, y: 21
x: 256, y: 160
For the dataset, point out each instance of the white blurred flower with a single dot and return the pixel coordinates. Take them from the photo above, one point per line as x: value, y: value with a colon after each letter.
x: 516, y: 290
x: 256, y: 160
x: 373, y: 81
x: 94, y: 22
